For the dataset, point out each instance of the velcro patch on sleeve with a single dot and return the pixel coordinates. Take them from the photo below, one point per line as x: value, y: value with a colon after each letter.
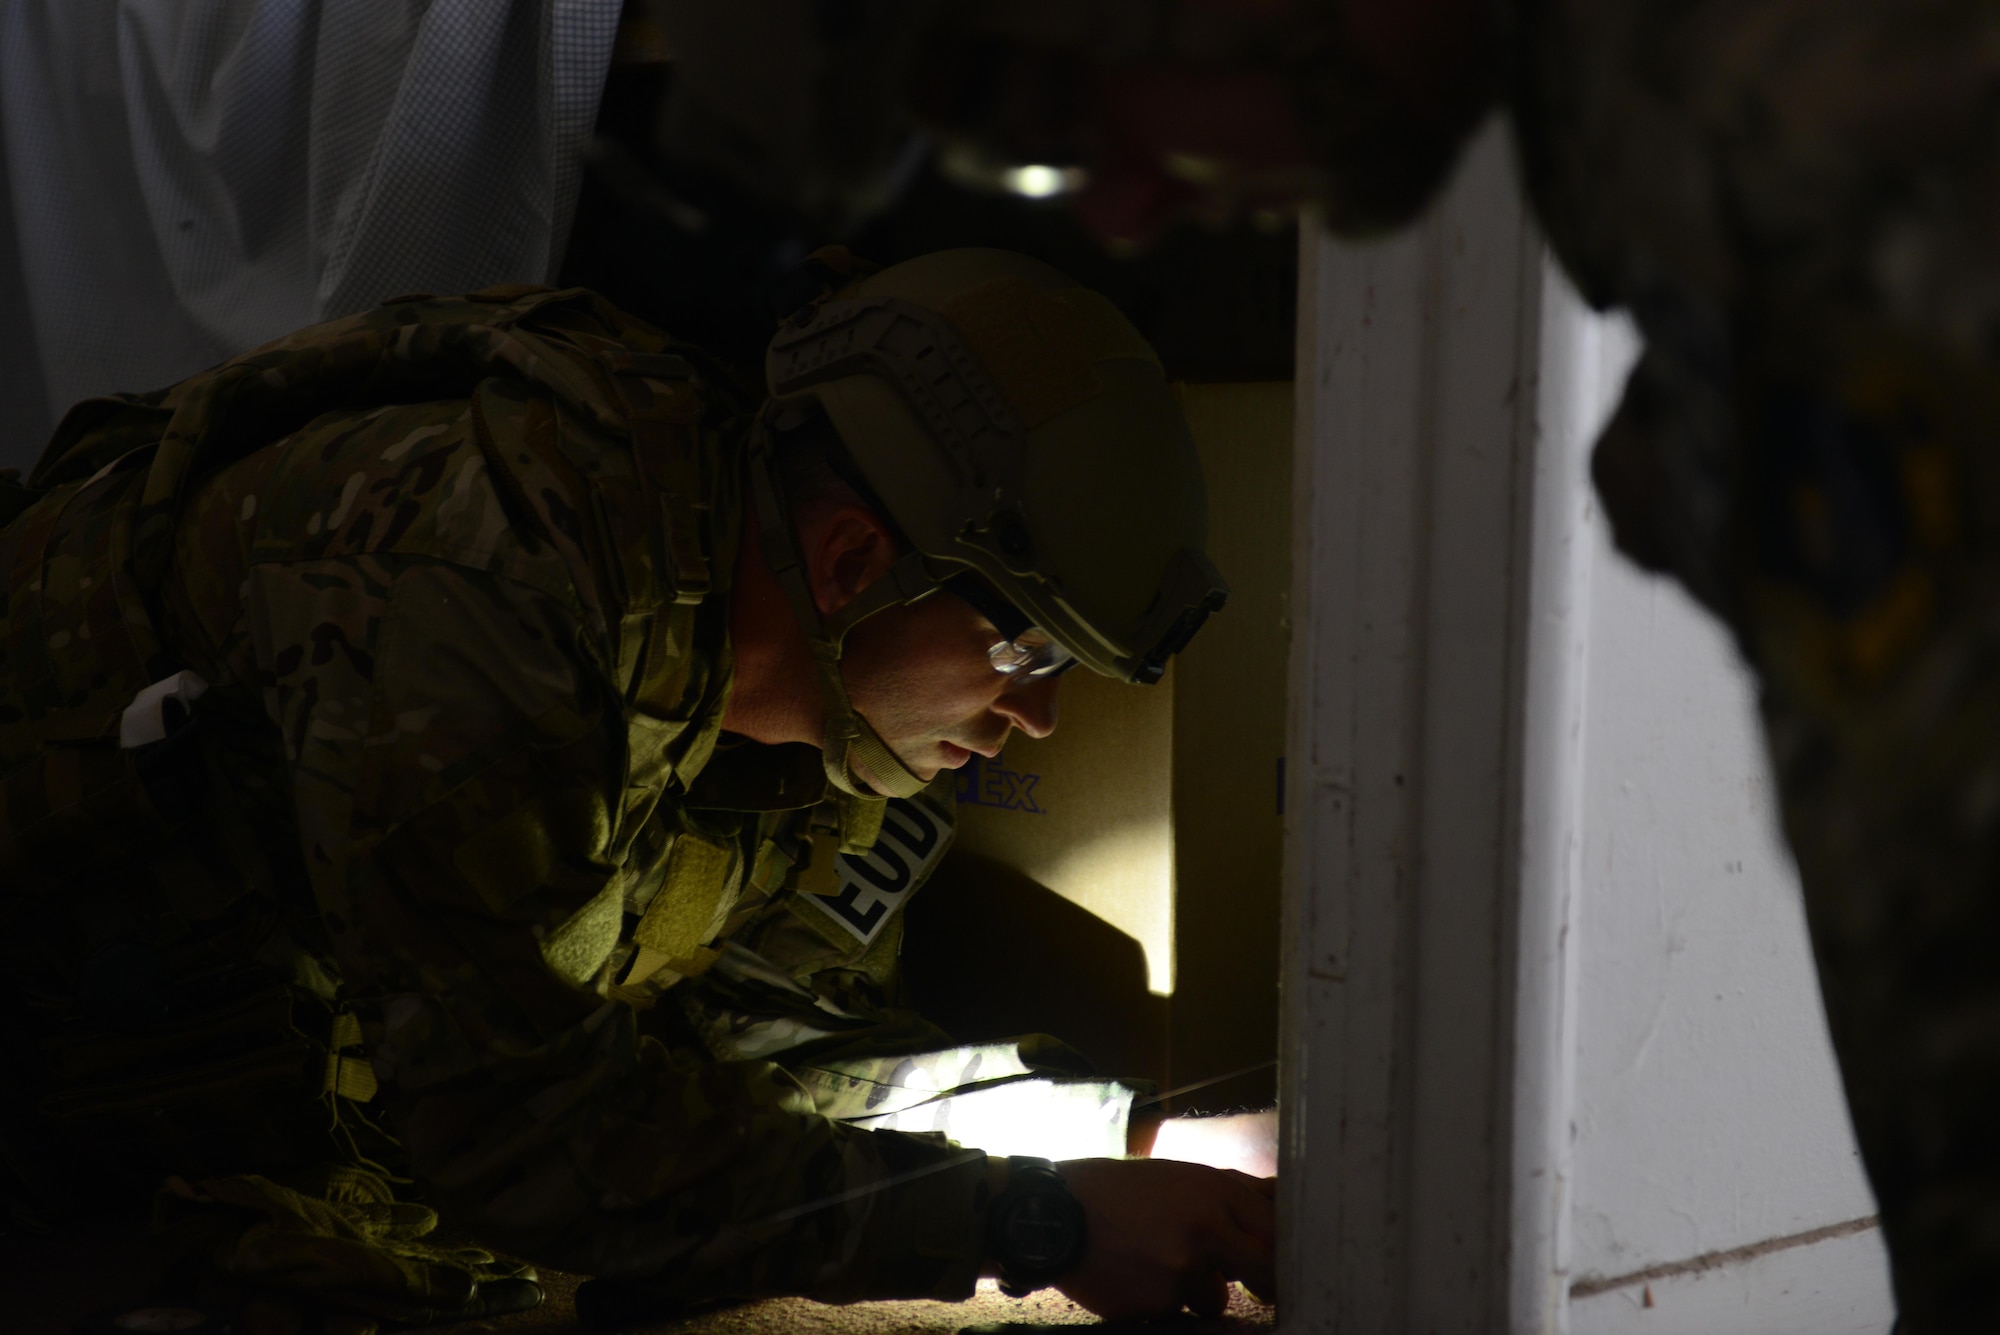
x: 869, y: 887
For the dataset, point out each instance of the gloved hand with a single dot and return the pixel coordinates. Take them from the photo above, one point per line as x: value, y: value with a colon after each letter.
x: 337, y: 1259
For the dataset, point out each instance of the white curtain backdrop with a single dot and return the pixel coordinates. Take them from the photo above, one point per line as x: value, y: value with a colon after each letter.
x: 181, y: 180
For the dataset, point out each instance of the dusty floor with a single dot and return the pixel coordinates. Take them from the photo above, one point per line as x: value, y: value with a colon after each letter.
x: 48, y: 1285
x: 989, y: 1310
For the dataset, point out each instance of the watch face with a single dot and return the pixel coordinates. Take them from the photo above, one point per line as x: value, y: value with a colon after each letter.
x: 1041, y: 1231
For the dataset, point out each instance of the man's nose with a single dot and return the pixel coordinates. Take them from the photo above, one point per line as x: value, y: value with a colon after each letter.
x: 1031, y: 706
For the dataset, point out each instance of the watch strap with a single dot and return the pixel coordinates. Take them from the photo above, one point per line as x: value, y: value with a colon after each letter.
x: 1034, y: 1227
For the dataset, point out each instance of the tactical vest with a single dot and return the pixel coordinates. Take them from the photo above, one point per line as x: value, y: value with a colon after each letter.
x: 90, y: 536
x: 100, y: 725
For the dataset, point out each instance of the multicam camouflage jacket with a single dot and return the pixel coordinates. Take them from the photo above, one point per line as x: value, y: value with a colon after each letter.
x: 455, y: 823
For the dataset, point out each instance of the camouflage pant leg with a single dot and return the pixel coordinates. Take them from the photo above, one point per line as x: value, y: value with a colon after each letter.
x: 1896, y: 845
x: 146, y: 1045
x: 1871, y: 605
x: 339, y: 1251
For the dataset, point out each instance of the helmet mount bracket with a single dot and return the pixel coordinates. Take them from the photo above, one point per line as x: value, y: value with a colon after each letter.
x: 917, y: 351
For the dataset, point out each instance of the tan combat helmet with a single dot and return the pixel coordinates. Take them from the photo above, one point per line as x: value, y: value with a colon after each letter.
x: 1018, y: 430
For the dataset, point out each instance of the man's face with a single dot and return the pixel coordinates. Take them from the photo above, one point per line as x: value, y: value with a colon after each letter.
x: 921, y: 677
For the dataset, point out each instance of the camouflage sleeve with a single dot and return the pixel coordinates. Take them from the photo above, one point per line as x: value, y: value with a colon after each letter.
x: 813, y: 981
x: 875, y: 1064
x: 462, y: 781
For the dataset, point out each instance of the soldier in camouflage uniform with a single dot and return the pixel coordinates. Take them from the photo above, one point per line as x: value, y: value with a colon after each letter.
x: 464, y: 742
x: 1800, y: 206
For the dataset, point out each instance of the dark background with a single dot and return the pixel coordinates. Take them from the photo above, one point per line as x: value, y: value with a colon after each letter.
x: 701, y: 258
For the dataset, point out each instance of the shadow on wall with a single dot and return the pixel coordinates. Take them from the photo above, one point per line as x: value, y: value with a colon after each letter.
x: 989, y: 952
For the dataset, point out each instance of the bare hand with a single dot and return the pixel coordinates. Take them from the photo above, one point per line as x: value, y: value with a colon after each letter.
x: 1166, y: 1235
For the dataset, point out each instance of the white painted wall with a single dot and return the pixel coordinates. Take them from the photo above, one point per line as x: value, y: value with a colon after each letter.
x: 1556, y: 1055
x: 1707, y: 1109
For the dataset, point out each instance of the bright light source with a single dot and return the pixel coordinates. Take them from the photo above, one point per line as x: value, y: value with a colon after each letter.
x: 973, y: 168
x: 1040, y: 181
x: 1246, y: 1142
x: 1050, y: 1119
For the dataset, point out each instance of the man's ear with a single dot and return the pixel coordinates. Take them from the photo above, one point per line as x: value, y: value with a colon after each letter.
x: 846, y: 550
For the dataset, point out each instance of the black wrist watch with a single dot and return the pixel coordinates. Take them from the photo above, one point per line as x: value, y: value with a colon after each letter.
x: 1034, y: 1227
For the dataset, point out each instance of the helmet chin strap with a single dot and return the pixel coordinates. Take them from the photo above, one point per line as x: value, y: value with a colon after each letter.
x: 850, y: 743
x: 858, y: 761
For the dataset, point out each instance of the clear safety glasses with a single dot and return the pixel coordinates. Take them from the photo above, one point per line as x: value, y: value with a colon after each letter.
x: 1024, y: 650
x: 1032, y: 653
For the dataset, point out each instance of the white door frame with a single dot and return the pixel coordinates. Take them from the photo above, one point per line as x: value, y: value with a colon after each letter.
x: 1431, y: 844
